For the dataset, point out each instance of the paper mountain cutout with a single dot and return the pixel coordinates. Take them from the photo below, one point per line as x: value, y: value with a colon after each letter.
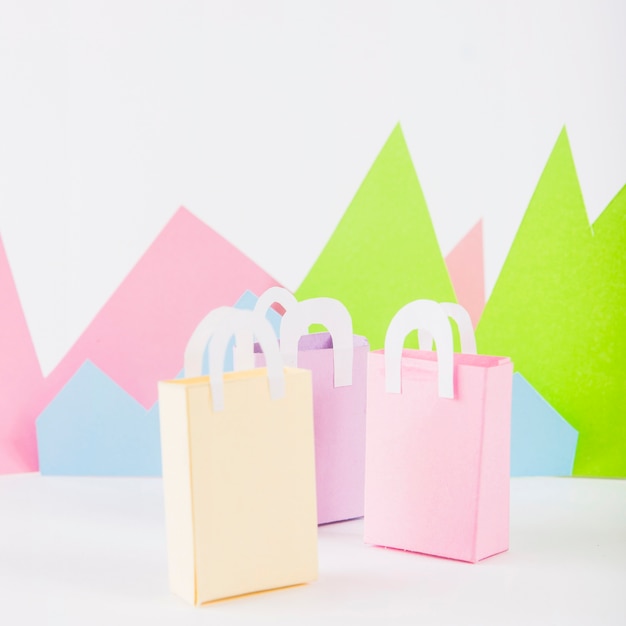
x: 384, y: 252
x: 559, y: 310
x: 467, y: 272
x: 139, y: 335
x: 20, y: 378
x: 542, y: 442
x: 93, y: 427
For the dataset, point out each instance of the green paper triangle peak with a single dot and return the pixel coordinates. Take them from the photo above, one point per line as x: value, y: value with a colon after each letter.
x: 384, y: 252
x: 558, y: 308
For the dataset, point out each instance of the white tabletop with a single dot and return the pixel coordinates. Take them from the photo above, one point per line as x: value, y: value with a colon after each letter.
x: 88, y: 551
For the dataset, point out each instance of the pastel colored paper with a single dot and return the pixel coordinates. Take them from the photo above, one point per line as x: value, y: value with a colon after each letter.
x: 257, y: 529
x: 139, y: 334
x: 467, y: 272
x: 542, y: 442
x: 93, y: 427
x: 339, y: 414
x: 338, y: 364
x: 559, y: 309
x: 437, y: 448
x: 21, y: 379
x: 384, y: 251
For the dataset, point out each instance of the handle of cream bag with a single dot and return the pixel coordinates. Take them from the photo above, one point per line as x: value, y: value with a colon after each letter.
x: 464, y: 324
x: 196, y: 345
x: 244, y: 352
x: 430, y: 316
x: 258, y: 327
x: 332, y: 314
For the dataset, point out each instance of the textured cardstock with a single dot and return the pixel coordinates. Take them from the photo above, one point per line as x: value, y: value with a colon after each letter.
x: 559, y: 310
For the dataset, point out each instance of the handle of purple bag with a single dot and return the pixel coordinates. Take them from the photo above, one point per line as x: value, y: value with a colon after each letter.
x: 330, y: 313
x: 243, y: 355
x: 423, y: 315
x: 244, y: 322
x: 464, y: 324
x: 278, y: 295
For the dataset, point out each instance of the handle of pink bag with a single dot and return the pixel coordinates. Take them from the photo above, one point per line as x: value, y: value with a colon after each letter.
x: 330, y: 313
x: 424, y: 315
x: 244, y: 351
x: 237, y: 322
x: 464, y: 324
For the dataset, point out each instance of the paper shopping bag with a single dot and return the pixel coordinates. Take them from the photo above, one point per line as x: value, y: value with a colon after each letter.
x: 338, y: 363
x: 238, y: 469
x: 437, y: 450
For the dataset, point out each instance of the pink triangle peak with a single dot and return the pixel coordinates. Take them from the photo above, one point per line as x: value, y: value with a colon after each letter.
x: 467, y: 272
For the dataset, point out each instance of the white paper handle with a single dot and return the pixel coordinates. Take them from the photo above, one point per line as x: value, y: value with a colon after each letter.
x: 244, y: 352
x: 273, y: 295
x: 258, y: 327
x: 427, y: 315
x: 198, y: 341
x: 464, y: 324
x: 330, y: 313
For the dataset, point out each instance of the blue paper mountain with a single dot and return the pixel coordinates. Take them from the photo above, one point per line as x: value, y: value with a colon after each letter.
x: 93, y: 427
x: 542, y: 442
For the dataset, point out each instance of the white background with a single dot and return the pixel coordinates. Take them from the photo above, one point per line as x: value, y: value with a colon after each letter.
x: 263, y: 117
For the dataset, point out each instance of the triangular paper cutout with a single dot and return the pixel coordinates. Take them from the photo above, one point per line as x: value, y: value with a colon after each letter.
x: 542, y: 442
x: 384, y: 252
x: 466, y: 267
x: 559, y: 310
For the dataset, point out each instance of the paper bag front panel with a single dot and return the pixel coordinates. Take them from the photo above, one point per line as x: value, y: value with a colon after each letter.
x: 253, y: 484
x: 424, y: 456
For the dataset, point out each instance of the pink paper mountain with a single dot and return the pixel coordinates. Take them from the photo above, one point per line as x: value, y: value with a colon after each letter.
x: 138, y: 336
x: 21, y: 381
x: 467, y: 272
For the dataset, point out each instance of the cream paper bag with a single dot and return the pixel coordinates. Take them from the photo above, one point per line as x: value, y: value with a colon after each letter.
x: 238, y: 468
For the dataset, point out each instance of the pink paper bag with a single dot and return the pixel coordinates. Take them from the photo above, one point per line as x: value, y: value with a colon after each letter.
x: 338, y: 363
x: 437, y: 450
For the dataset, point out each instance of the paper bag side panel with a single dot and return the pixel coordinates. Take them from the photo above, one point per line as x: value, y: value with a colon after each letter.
x: 492, y: 534
x: 177, y: 489
x: 254, y: 486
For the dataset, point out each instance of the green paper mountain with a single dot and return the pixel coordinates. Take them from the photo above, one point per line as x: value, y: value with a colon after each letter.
x: 384, y: 252
x: 559, y: 310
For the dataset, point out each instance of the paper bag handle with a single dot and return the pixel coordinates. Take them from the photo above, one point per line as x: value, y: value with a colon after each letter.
x: 244, y: 352
x: 330, y: 313
x: 464, y: 324
x: 273, y: 295
x: 427, y: 315
x: 196, y: 345
x: 244, y: 321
